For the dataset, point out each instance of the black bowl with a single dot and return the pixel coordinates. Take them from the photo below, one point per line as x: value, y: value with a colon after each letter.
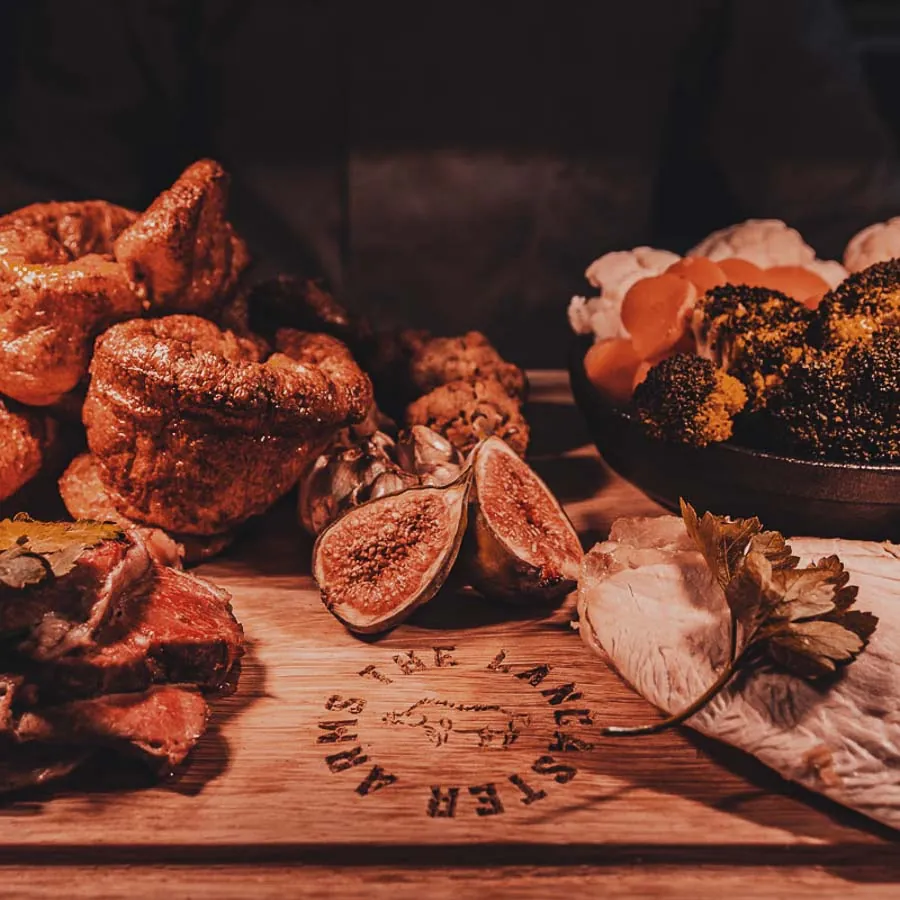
x: 794, y: 496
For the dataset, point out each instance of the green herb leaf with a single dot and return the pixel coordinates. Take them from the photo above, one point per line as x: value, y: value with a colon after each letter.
x: 775, y: 549
x: 721, y: 541
x: 814, y: 591
x: 800, y: 620
x: 751, y: 595
x: 813, y: 649
x: 31, y: 551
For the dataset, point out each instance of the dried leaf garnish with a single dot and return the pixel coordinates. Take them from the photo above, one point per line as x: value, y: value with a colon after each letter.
x: 798, y: 620
x: 32, y: 551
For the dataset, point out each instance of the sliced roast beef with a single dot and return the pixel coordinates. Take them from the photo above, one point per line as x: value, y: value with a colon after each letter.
x: 111, y: 654
x: 174, y: 628
x: 58, y: 615
x: 29, y: 765
x: 163, y: 723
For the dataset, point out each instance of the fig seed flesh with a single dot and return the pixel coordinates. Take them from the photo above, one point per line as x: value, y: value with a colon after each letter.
x: 381, y: 560
x: 522, y: 545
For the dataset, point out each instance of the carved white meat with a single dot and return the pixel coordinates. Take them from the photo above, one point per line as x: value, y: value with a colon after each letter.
x: 647, y: 599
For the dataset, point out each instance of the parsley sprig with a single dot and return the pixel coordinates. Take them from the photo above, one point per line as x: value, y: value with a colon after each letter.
x: 31, y: 551
x: 797, y: 620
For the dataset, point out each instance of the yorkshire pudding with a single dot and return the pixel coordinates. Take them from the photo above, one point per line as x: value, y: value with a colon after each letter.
x: 195, y: 433
x: 182, y: 254
x: 26, y: 437
x: 53, y: 302
x: 88, y: 226
x: 87, y: 497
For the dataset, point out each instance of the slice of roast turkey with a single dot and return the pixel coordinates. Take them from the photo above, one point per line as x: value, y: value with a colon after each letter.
x: 647, y: 599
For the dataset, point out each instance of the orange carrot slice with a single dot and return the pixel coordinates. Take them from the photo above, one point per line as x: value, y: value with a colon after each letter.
x: 656, y: 312
x: 741, y: 271
x: 610, y: 365
x: 797, y: 282
x: 703, y: 273
x: 641, y: 373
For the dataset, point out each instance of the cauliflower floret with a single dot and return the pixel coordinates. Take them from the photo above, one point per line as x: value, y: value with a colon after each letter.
x: 829, y: 269
x: 600, y: 316
x: 877, y: 243
x: 765, y: 242
x: 613, y: 273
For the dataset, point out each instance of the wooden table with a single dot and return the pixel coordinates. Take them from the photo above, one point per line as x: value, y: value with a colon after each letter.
x: 457, y: 755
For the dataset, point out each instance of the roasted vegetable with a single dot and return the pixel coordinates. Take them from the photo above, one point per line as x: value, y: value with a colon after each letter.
x: 752, y: 333
x: 466, y: 412
x: 865, y: 303
x: 686, y: 399
x: 843, y: 403
x: 468, y: 357
x: 428, y: 455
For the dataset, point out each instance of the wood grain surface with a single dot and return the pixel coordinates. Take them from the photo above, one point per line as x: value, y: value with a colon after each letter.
x: 458, y: 754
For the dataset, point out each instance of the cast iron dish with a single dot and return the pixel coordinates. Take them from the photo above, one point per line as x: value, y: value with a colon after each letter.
x: 794, y: 496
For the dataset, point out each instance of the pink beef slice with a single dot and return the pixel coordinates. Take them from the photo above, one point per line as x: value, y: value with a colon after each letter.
x: 172, y: 627
x: 162, y: 724
x: 59, y: 615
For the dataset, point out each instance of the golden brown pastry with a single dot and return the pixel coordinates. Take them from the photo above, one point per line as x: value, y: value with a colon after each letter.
x: 466, y: 412
x: 87, y: 497
x: 468, y: 357
x: 88, y: 226
x: 52, y: 307
x: 195, y: 433
x: 26, y: 438
x: 182, y: 255
x: 336, y: 362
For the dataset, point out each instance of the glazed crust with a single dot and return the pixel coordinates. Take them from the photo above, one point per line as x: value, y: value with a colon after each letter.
x: 26, y: 438
x: 182, y: 255
x: 187, y: 365
x: 89, y: 226
x: 195, y: 434
x: 465, y: 412
x: 51, y: 309
x: 468, y: 357
x: 87, y: 497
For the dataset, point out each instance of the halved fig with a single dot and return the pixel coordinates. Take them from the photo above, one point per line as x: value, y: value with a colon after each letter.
x: 521, y: 546
x: 380, y: 561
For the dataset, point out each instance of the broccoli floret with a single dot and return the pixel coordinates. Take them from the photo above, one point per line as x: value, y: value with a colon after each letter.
x: 863, y: 304
x: 842, y: 403
x: 685, y: 398
x: 753, y: 333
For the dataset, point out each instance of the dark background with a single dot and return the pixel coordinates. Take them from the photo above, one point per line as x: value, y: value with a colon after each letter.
x: 875, y: 25
x: 582, y: 142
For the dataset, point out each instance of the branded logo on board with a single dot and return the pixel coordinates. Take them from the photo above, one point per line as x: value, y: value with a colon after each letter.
x: 513, y: 746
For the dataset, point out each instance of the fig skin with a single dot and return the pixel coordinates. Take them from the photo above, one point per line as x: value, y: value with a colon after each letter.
x: 357, y: 522
x: 495, y: 568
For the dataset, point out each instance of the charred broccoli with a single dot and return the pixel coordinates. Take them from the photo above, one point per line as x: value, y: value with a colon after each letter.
x: 842, y: 403
x: 863, y: 304
x: 685, y: 398
x: 753, y: 333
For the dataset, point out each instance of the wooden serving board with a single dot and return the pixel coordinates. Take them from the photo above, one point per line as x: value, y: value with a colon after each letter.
x: 460, y: 749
